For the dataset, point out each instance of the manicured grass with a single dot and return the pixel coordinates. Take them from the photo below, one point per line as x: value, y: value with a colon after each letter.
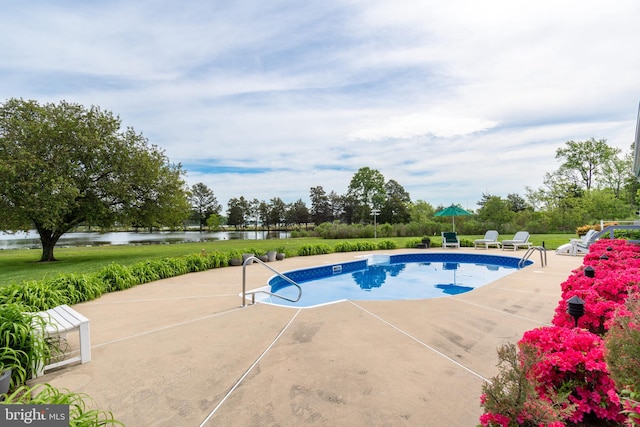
x: 19, y: 265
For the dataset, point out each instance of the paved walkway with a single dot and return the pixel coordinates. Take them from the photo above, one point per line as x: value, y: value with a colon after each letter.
x: 181, y: 351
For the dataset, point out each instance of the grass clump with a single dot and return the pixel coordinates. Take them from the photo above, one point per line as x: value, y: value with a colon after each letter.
x: 81, y: 410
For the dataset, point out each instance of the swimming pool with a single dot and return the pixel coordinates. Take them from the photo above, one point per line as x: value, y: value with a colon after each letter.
x: 390, y: 277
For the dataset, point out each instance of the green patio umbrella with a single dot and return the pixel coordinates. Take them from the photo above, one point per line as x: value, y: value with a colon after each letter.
x: 453, y: 211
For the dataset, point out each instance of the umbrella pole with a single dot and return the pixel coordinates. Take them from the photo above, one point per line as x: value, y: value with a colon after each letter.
x: 454, y: 223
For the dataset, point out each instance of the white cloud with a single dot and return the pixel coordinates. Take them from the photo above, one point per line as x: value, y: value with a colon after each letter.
x: 451, y: 99
x: 413, y: 125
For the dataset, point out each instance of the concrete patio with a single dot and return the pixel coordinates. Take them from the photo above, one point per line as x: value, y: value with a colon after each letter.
x: 182, y: 351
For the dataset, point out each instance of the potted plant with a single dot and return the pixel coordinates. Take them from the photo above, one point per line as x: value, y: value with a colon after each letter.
x: 426, y: 243
x: 10, y: 367
x: 271, y: 255
x: 5, y: 382
x: 235, y: 258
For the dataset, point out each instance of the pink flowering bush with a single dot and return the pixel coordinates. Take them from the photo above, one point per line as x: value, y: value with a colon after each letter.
x: 622, y: 355
x: 573, y: 360
x: 615, y: 279
x: 511, y: 398
x: 577, y: 377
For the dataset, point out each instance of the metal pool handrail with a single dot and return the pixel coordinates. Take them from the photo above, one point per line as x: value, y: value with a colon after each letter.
x: 251, y: 260
x: 530, y: 251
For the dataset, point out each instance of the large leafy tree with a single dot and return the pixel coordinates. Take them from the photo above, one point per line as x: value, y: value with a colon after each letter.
x: 421, y: 211
x: 495, y: 212
x: 585, y: 160
x: 367, y: 190
x: 62, y: 165
x: 395, y: 209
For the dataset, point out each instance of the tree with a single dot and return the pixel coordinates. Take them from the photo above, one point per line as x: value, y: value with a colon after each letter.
x: 495, y: 212
x: 485, y: 197
x: 516, y: 202
x: 617, y: 172
x: 298, y: 213
x: 395, y: 209
x: 366, y: 189
x: 263, y: 214
x: 421, y: 211
x: 335, y: 206
x: 253, y: 212
x: 277, y: 211
x: 167, y: 205
x: 62, y: 165
x: 237, y: 212
x: 585, y: 159
x: 320, y: 206
x: 203, y: 202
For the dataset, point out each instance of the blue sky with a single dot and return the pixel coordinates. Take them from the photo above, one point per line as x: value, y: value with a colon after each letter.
x: 268, y: 99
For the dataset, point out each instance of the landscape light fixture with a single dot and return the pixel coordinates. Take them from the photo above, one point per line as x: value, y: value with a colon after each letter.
x: 589, y: 271
x: 575, y: 308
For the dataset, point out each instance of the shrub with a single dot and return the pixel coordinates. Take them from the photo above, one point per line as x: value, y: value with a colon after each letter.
x: 81, y: 413
x: 622, y: 342
x: 78, y: 287
x: 197, y: 262
x: 615, y: 278
x: 386, y: 244
x: 573, y: 360
x: 174, y: 267
x: 583, y: 229
x: 34, y: 295
x: 23, y: 332
x: 307, y: 250
x: 144, y: 272
x: 510, y: 399
x: 117, y: 277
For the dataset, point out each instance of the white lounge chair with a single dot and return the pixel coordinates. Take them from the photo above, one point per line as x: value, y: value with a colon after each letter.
x: 521, y: 239
x: 490, y: 239
x: 578, y: 246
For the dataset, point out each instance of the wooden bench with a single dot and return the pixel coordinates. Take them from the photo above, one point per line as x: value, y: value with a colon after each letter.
x: 60, y: 321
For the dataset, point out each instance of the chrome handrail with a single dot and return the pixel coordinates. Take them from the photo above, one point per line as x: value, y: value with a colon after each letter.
x: 251, y: 260
x: 530, y: 251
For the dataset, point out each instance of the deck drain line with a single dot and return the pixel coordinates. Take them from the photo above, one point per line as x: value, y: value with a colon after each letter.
x: 231, y: 390
x: 439, y: 353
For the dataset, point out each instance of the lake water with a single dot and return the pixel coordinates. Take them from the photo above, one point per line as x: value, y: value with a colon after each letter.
x: 31, y: 239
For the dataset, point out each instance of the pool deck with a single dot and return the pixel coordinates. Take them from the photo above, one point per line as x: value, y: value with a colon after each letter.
x: 182, y: 351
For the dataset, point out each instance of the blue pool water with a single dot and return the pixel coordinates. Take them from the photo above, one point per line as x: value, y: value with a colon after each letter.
x: 391, y: 277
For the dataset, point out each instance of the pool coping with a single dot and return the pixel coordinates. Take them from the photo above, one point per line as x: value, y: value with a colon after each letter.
x: 182, y: 351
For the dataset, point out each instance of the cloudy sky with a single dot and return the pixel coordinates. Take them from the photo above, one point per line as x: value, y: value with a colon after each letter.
x: 267, y: 99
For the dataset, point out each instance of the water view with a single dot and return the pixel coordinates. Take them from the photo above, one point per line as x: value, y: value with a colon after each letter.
x: 31, y: 239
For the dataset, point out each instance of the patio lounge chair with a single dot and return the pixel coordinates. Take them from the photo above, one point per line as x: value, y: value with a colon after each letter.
x: 450, y: 239
x: 490, y: 239
x: 578, y: 246
x: 521, y: 239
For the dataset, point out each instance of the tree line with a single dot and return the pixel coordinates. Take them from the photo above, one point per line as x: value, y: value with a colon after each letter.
x: 63, y: 165
x: 593, y: 182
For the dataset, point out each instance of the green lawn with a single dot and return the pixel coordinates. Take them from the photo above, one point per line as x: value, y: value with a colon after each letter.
x: 22, y: 264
